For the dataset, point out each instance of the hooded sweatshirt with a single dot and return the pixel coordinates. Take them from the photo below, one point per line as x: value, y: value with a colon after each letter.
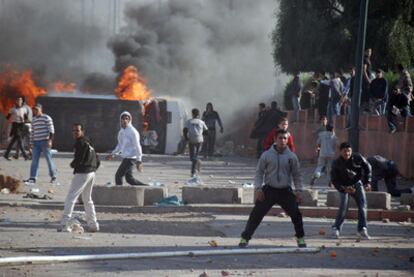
x: 129, y: 146
x: 277, y: 169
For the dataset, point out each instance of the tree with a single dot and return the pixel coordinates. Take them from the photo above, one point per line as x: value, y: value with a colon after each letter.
x: 321, y: 35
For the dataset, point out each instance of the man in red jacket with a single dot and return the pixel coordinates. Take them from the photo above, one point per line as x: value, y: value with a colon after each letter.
x: 283, y: 124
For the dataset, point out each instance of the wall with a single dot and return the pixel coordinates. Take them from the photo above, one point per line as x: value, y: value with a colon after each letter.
x: 375, y: 138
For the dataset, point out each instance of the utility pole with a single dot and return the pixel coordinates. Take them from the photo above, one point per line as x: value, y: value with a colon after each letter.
x: 356, y: 98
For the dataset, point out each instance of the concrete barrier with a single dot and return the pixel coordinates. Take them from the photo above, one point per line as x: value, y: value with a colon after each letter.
x: 154, y: 194
x: 407, y: 199
x: 309, y: 198
x: 127, y: 195
x: 217, y: 195
x: 375, y: 200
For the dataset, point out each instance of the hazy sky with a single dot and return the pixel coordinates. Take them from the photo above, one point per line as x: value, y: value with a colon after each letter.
x: 199, y: 50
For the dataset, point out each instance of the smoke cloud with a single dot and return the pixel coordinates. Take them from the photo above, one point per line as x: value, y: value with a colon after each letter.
x: 203, y: 50
x: 58, y: 40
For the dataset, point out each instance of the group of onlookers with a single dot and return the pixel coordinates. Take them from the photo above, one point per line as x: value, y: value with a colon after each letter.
x: 332, y: 96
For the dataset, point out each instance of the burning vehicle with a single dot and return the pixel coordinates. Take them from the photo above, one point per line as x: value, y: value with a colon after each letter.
x: 159, y: 121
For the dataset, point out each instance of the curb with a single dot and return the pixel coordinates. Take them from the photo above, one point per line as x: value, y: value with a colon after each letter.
x: 241, y: 209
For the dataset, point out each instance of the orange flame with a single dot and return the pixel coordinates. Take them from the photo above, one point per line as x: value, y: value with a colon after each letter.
x: 61, y: 86
x: 14, y: 83
x: 132, y: 86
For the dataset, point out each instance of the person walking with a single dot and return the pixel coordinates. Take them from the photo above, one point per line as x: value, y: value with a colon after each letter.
x: 273, y: 185
x: 210, y: 117
x: 84, y: 164
x: 326, y: 142
x: 351, y: 176
x: 129, y: 148
x: 18, y: 115
x: 193, y: 132
x: 41, y: 140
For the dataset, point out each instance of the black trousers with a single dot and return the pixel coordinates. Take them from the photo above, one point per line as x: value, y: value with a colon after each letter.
x: 194, y: 148
x: 287, y: 201
x: 16, y: 132
x: 209, y: 143
x: 391, y: 184
x: 259, y: 147
x: 125, y: 169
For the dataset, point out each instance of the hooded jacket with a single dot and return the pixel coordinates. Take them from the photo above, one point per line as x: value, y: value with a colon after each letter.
x: 129, y: 146
x: 277, y: 169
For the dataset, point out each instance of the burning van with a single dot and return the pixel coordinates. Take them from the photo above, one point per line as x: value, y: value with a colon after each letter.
x: 159, y: 121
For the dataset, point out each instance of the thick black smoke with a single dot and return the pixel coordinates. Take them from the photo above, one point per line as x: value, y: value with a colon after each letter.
x: 56, y: 39
x: 204, y: 50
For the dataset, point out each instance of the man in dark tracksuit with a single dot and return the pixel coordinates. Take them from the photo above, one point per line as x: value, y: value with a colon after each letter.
x: 351, y: 176
x: 210, y: 117
x: 84, y: 164
x: 275, y: 169
x: 387, y: 170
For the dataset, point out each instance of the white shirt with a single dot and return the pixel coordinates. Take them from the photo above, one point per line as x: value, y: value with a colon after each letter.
x: 17, y: 114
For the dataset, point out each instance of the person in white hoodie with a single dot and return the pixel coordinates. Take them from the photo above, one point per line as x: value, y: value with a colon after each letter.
x: 129, y: 148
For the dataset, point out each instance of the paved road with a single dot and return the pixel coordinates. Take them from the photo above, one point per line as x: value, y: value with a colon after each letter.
x: 32, y: 231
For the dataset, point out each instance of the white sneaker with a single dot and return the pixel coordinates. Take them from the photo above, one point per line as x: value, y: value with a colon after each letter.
x: 30, y: 182
x: 363, y: 234
x: 335, y: 233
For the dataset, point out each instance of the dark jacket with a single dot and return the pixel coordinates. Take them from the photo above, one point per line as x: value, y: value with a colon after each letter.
x: 346, y: 173
x: 382, y: 168
x: 398, y: 100
x: 210, y: 119
x: 378, y: 88
x: 85, y: 160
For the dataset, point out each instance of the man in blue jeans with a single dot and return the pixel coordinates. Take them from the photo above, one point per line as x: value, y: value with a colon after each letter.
x: 41, y: 140
x: 351, y: 176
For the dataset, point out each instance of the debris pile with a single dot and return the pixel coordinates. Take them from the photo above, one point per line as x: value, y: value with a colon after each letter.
x: 12, y: 184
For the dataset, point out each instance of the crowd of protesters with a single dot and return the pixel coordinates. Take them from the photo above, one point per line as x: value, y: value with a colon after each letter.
x: 332, y: 96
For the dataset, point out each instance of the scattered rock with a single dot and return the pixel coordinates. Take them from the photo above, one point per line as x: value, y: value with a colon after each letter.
x: 213, y: 243
x: 204, y: 274
x: 282, y: 214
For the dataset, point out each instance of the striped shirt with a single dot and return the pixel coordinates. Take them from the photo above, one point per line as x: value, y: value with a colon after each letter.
x: 42, y: 127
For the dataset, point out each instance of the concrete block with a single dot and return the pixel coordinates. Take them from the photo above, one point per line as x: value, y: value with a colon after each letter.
x: 309, y: 198
x: 217, y: 195
x: 118, y: 195
x: 154, y: 194
x: 375, y: 200
x: 127, y: 195
x: 407, y: 199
